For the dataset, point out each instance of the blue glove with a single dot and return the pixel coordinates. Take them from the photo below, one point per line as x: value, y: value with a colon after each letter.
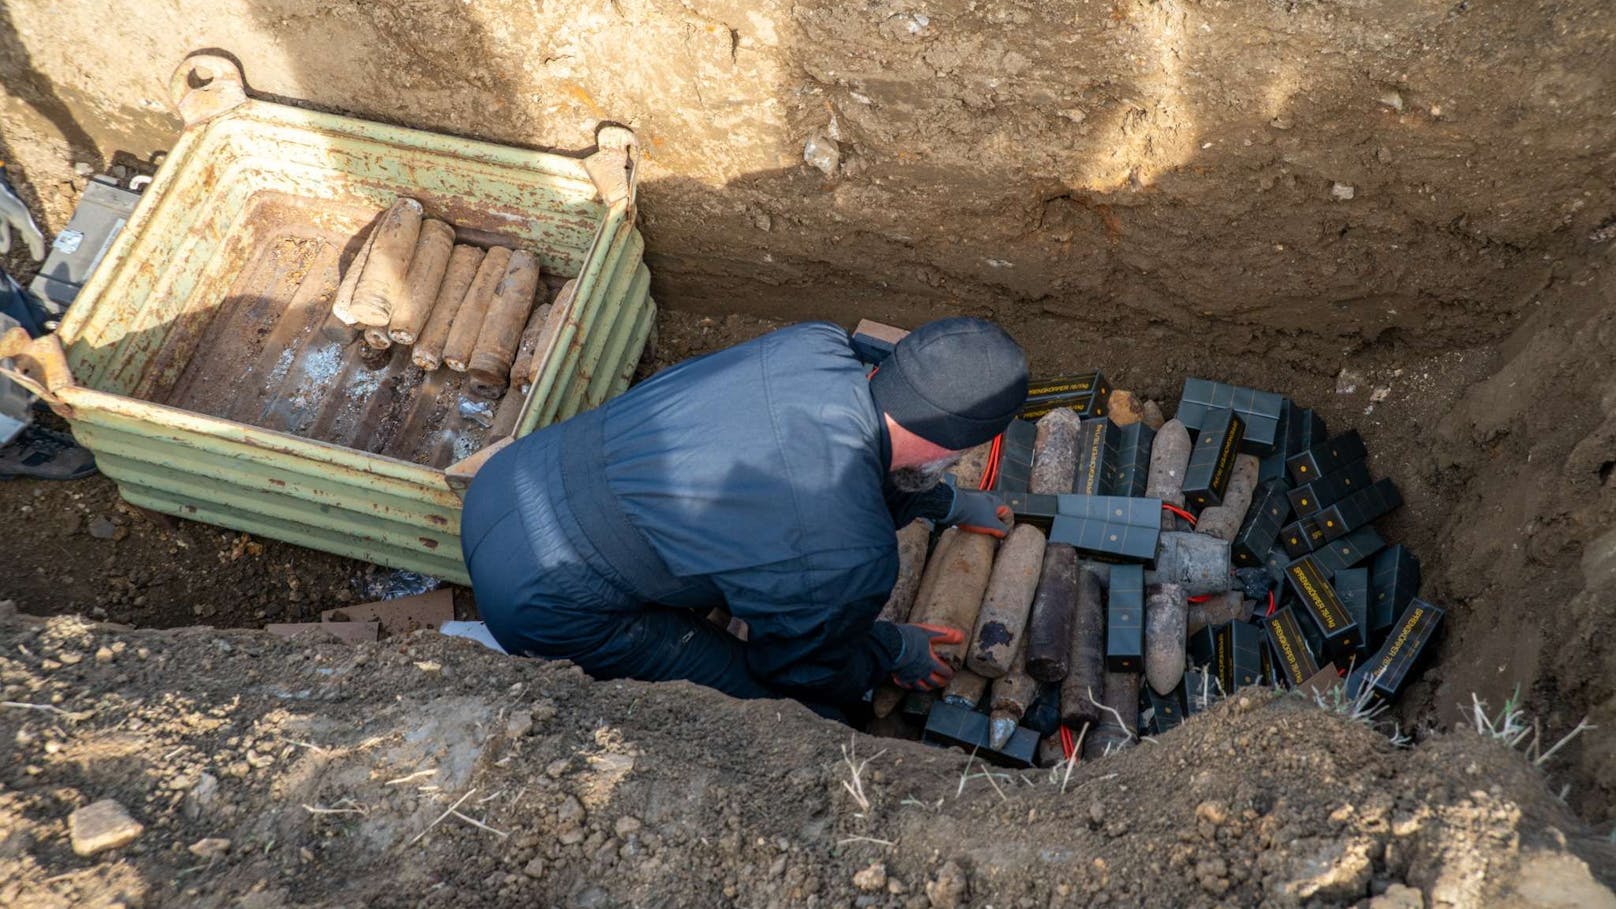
x: 917, y: 665
x: 979, y: 512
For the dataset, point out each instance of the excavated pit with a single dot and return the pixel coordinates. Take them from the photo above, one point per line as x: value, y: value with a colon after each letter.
x: 1399, y: 214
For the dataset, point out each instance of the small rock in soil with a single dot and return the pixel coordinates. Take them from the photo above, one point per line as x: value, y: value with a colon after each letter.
x: 627, y: 825
x: 210, y: 847
x: 534, y: 869
x: 947, y: 890
x: 1399, y: 896
x: 871, y: 879
x: 103, y: 529
x: 100, y: 826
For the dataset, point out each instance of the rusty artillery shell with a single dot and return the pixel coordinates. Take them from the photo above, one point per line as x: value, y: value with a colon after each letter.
x: 1195, y: 561
x: 340, y: 325
x: 501, y: 332
x: 886, y: 699
x: 965, y: 689
x: 1223, y: 521
x: 1165, y: 634
x: 552, y: 326
x: 1050, y: 751
x: 957, y: 597
x: 522, y: 368
x: 1054, y: 452
x: 427, y: 265
x: 468, y: 322
x: 1105, y: 736
x: 1126, y: 407
x: 1054, y: 607
x: 384, y: 282
x: 1001, y: 624
x: 1169, y: 456
x: 968, y: 472
x: 1011, y: 695
x: 934, y: 569
x: 1229, y: 606
x: 1087, y: 653
x: 377, y: 339
x: 912, y: 542
x: 457, y: 278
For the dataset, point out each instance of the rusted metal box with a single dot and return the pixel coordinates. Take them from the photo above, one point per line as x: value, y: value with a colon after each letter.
x: 195, y: 366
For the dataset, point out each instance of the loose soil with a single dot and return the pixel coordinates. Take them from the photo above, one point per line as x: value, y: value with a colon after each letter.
x: 1400, y: 214
x: 426, y: 771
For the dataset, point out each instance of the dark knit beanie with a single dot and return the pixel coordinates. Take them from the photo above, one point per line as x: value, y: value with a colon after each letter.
x: 953, y: 382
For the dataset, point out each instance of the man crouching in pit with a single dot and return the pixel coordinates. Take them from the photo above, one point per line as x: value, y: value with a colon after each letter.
x: 767, y: 479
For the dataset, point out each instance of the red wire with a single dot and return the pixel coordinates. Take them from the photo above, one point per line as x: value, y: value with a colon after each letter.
x: 990, y: 474
x: 1271, y: 605
x: 1068, y: 741
x: 1198, y: 599
x: 1180, y: 512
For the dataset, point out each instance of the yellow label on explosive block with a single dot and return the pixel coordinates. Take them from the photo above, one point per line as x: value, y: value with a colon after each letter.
x: 1310, y: 582
x: 1395, y: 649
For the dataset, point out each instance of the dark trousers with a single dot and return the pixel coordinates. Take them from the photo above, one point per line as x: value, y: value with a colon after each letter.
x: 541, y: 597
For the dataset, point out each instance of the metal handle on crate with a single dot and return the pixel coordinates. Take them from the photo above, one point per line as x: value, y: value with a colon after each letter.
x: 205, y: 86
x: 615, y: 165
x: 37, y: 364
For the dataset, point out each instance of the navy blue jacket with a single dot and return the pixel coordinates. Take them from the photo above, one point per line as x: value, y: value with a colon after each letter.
x: 758, y: 475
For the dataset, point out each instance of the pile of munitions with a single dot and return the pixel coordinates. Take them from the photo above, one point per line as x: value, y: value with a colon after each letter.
x: 461, y: 306
x: 1154, y: 567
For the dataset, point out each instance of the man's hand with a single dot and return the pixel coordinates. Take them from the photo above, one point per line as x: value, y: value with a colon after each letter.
x: 979, y: 512
x: 14, y: 216
x: 918, y: 666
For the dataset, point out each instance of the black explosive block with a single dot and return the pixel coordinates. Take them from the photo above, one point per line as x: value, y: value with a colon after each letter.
x: 1265, y: 518
x: 1392, y: 667
x: 1310, y: 498
x: 1326, y: 457
x: 1038, y: 509
x: 1352, y: 589
x: 1200, y: 689
x: 1089, y: 394
x: 1293, y: 659
x: 1237, y: 658
x: 1300, y: 429
x: 873, y: 341
x: 1359, y: 509
x: 1275, y: 563
x: 917, y: 704
x: 948, y: 724
x: 1347, y: 551
x: 1096, y: 448
x: 1260, y: 411
x: 1113, y: 526
x: 1166, y: 710
x: 1202, y: 647
x: 1341, y: 636
x: 1125, y: 619
x: 1043, y: 717
x: 1015, y: 457
x: 1394, y: 580
x: 1300, y: 537
x: 1212, y: 458
x: 1130, y: 468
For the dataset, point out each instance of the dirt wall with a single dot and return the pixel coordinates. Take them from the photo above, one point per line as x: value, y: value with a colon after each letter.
x: 1364, y: 171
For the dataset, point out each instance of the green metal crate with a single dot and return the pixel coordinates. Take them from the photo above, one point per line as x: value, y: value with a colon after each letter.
x: 252, y: 192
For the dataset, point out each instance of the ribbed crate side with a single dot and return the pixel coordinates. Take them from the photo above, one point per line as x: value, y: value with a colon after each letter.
x: 587, y: 316
x: 230, y: 498
x: 611, y: 314
x: 620, y: 350
x: 449, y: 568
x: 139, y: 418
x: 321, y: 492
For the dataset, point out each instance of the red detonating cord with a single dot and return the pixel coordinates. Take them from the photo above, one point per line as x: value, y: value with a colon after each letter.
x: 1202, y: 598
x: 1271, y: 605
x: 1180, y: 512
x: 1068, y: 741
x: 990, y: 474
